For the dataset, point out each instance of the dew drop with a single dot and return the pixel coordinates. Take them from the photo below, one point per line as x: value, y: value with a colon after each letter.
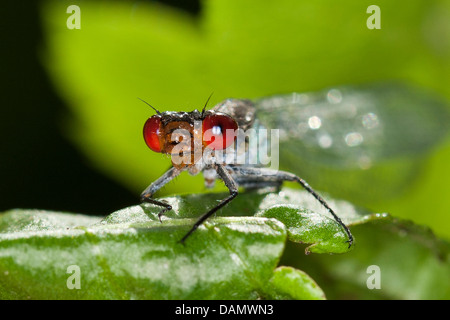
x: 334, y: 96
x: 314, y: 122
x: 353, y: 139
x: 370, y: 121
x: 325, y: 141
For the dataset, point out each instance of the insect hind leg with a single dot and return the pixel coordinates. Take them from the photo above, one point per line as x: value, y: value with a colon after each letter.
x: 255, y: 184
x: 264, y: 175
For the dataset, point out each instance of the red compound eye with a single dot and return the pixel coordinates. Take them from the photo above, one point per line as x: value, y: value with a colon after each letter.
x: 152, y: 132
x: 215, y: 134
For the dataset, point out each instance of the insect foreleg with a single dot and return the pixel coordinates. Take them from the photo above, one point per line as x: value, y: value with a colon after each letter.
x: 146, y: 196
x: 232, y: 187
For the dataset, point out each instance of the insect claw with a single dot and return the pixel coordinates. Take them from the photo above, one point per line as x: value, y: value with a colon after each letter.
x: 163, y: 211
x: 182, y: 241
x: 350, y: 242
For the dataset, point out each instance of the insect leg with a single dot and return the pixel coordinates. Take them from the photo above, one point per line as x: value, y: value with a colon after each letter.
x: 232, y: 187
x: 146, y: 195
x: 266, y: 175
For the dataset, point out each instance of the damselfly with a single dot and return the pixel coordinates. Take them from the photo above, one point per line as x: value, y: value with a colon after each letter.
x: 208, y: 141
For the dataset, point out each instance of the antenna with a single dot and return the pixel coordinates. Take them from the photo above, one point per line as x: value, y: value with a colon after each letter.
x: 150, y: 106
x: 204, y: 108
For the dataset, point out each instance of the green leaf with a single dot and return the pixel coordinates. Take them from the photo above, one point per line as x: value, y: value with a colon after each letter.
x: 226, y: 258
x: 413, y: 263
x: 289, y: 283
x: 308, y: 227
x: 130, y: 254
x: 308, y: 222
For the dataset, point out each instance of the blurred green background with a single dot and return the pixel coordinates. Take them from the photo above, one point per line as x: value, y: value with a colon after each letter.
x: 72, y: 126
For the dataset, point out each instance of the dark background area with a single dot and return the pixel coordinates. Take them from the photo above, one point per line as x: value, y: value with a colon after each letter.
x: 39, y: 166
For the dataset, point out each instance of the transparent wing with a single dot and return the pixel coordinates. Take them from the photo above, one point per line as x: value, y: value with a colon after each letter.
x: 355, y: 127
